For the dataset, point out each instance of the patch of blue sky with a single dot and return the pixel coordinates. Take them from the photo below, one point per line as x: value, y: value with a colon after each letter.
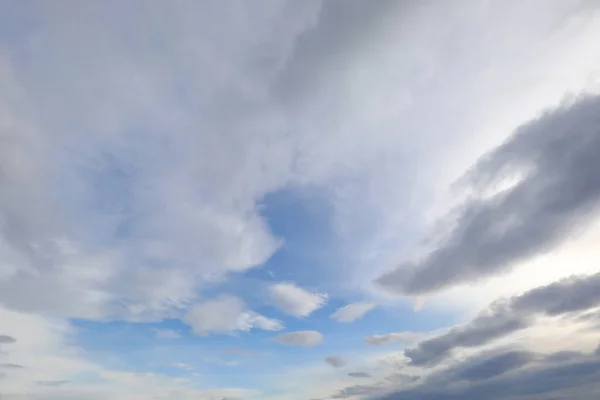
x: 134, y: 347
x: 302, y: 217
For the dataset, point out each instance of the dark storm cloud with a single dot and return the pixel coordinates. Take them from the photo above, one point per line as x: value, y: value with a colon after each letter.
x: 574, y: 294
x: 556, y: 158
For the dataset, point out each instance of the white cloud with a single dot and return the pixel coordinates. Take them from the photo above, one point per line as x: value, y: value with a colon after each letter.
x: 226, y: 314
x: 390, y: 338
x: 294, y: 300
x: 179, y: 117
x: 173, y: 177
x: 352, y: 312
x: 300, y: 338
x: 45, y: 356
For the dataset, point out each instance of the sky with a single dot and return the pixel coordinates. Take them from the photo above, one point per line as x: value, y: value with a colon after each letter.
x: 299, y: 200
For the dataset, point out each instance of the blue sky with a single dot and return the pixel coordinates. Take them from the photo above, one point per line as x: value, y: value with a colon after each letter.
x: 290, y: 200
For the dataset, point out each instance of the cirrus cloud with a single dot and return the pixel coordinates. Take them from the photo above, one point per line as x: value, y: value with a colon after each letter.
x: 352, y: 312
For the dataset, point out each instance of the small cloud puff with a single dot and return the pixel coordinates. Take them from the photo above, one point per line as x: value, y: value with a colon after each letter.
x: 335, y: 361
x: 295, y: 301
x: 352, y: 312
x: 300, y: 338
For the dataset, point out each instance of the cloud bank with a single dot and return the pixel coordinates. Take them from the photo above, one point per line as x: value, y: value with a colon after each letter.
x: 557, y: 191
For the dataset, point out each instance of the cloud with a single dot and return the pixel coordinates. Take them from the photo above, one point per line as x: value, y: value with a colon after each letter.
x: 507, y: 376
x: 359, y: 375
x: 167, y: 334
x: 356, y: 390
x: 575, y: 294
x: 47, y: 350
x: 239, y: 351
x: 7, y: 339
x: 11, y: 366
x: 294, y: 300
x: 557, y: 192
x: 500, y: 374
x: 352, y: 312
x: 336, y: 362
x: 487, y: 366
x: 390, y: 338
x: 160, y: 198
x: 179, y: 119
x: 300, y: 338
x: 52, y: 383
x: 226, y: 314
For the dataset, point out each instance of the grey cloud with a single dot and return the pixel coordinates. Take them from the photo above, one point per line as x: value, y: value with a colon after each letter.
x: 572, y: 294
x: 359, y: 375
x: 11, y: 366
x: 356, y: 390
x: 489, y: 366
x: 335, y: 361
x: 557, y: 157
x: 481, y: 330
x: 7, y: 339
x: 300, y: 338
x: 398, y: 378
x: 52, y: 383
x: 518, y: 378
x: 562, y: 356
x: 569, y: 295
x: 390, y: 338
x: 342, y: 27
x: 376, y: 388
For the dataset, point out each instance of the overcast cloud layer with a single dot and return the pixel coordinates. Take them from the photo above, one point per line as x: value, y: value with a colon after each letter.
x: 291, y: 200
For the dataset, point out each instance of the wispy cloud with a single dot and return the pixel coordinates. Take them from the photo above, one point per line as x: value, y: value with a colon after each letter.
x: 294, y: 300
x: 352, y: 312
x: 390, y: 338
